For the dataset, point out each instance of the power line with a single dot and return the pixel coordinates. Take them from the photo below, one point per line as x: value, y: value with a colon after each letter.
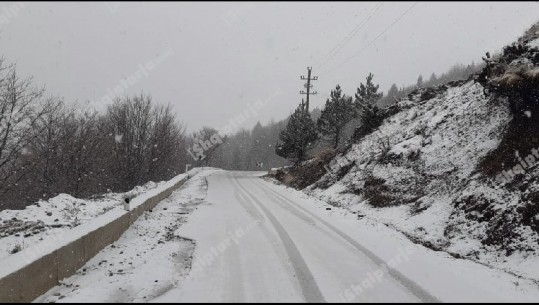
x: 352, y: 34
x: 347, y: 38
x: 372, y: 41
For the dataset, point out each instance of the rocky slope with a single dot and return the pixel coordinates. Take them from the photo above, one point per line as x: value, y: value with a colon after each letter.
x: 455, y: 167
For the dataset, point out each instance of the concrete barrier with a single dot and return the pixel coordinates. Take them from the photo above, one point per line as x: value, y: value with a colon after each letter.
x: 31, y: 281
x: 71, y: 258
x: 25, y: 284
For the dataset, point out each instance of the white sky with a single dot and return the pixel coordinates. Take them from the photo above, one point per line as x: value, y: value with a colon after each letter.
x: 221, y: 56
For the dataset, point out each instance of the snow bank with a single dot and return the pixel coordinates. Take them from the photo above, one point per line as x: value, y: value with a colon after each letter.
x: 100, y: 230
x: 20, y: 229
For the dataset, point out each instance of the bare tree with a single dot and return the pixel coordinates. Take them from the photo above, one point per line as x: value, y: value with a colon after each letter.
x: 149, y: 142
x: 47, y: 148
x: 22, y: 106
x: 168, y: 137
x: 206, y: 143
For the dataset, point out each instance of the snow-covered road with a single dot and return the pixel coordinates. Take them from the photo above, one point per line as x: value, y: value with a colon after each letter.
x: 255, y: 245
x: 259, y: 242
x: 255, y: 241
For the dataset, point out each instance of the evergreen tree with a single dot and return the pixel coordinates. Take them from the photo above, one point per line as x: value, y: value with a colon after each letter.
x: 420, y: 81
x: 298, y: 136
x: 338, y: 111
x: 258, y: 147
x: 393, y: 92
x: 368, y: 94
x: 432, y: 79
x: 236, y: 159
x: 370, y: 115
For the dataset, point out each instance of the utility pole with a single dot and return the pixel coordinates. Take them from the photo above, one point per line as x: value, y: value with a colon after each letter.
x: 308, y: 86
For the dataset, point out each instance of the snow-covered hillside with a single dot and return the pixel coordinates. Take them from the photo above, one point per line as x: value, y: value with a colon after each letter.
x: 434, y: 170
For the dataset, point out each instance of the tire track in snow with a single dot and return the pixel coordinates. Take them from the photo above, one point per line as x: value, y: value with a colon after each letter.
x: 309, y: 287
x: 291, y: 209
x: 235, y: 275
x: 413, y: 287
x: 309, y: 220
x: 251, y: 210
x: 268, y: 233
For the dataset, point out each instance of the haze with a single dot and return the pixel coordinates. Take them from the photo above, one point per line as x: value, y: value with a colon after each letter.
x: 218, y: 57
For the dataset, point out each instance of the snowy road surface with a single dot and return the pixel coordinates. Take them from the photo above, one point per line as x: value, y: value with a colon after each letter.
x: 255, y: 241
x: 260, y: 242
x: 280, y: 252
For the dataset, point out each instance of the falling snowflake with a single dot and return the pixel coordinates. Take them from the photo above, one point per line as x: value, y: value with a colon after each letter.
x: 118, y: 138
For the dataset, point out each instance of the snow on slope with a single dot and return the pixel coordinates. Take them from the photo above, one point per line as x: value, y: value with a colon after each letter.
x: 414, y: 173
x: 446, y: 278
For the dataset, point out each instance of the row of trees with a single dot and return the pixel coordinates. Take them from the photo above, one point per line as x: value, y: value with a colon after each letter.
x: 302, y: 133
x: 48, y: 147
x: 360, y: 114
x: 342, y: 118
x: 246, y: 149
x: 456, y: 72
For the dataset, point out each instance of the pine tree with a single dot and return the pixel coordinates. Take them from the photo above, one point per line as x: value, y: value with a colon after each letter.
x: 370, y: 115
x: 258, y: 146
x: 393, y: 92
x: 338, y: 111
x: 298, y: 136
x: 420, y: 81
x: 433, y: 79
x: 368, y: 94
x: 236, y: 159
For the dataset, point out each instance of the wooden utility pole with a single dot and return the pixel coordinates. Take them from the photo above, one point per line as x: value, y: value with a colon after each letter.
x: 308, y: 86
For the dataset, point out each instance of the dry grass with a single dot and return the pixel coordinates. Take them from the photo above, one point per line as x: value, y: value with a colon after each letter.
x: 309, y: 172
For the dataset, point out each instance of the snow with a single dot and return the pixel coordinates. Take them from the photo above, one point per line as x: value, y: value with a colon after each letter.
x: 446, y: 278
x: 427, y: 155
x: 146, y: 261
x: 57, y: 215
x: 233, y: 237
x: 407, y: 147
x: 534, y: 43
x: 452, y: 125
x: 96, y: 214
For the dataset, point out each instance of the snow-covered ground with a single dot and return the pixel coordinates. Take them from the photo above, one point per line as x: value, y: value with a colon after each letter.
x: 233, y: 237
x: 20, y: 229
x: 146, y: 261
x: 419, y: 173
x: 445, y: 277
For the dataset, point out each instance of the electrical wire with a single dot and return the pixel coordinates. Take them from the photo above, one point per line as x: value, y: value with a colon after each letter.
x: 372, y: 41
x: 347, y: 38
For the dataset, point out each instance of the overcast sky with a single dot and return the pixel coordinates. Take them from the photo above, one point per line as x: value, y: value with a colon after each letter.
x: 209, y: 60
